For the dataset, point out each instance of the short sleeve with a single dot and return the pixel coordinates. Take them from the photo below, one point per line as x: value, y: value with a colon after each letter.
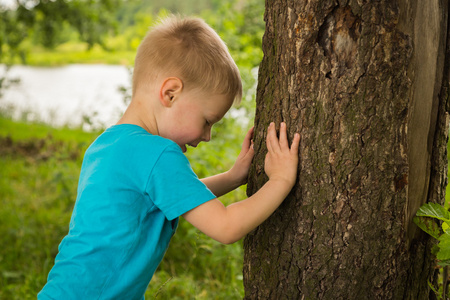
x: 173, y: 186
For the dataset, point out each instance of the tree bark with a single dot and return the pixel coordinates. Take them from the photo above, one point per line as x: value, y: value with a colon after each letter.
x: 366, y: 84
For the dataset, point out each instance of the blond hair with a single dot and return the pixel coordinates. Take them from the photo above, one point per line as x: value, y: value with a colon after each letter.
x: 191, y: 50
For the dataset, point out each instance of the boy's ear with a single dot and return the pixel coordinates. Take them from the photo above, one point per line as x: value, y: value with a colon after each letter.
x: 170, y: 90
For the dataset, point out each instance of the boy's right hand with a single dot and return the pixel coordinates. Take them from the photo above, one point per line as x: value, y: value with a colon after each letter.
x: 231, y: 223
x: 281, y: 161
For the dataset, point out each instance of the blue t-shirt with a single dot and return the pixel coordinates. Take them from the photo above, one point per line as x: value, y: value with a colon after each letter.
x: 133, y: 187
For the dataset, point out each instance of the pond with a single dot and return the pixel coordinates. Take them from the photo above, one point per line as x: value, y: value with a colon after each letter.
x: 70, y: 95
x: 77, y: 95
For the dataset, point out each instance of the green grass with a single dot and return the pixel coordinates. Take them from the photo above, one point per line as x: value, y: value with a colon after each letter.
x: 76, y: 53
x: 38, y: 181
x: 20, y: 131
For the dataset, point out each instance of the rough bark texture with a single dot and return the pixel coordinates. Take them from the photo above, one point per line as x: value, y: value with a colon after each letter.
x: 366, y: 84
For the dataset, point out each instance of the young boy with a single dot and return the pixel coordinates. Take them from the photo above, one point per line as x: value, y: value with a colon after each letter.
x: 135, y: 181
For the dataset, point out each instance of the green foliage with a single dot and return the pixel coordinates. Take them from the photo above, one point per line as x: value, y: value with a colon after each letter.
x: 444, y: 249
x: 437, y: 291
x: 6, y: 82
x: 118, y: 27
x: 37, y: 190
x: 441, y: 233
x: 427, y: 218
x: 429, y: 226
x: 434, y: 210
x: 434, y: 219
x: 47, y: 23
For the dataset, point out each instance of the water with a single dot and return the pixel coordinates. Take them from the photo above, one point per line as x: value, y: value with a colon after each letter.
x: 77, y: 95
x: 72, y: 95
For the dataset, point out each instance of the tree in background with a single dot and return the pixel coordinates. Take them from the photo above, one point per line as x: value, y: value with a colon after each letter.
x: 366, y: 83
x: 46, y: 20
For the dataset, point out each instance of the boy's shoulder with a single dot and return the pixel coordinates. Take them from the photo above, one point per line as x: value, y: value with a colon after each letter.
x: 129, y: 138
x: 129, y: 133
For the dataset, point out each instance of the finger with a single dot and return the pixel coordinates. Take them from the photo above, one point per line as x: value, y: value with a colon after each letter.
x: 268, y: 144
x: 272, y: 139
x: 295, y: 143
x: 247, y: 140
x: 251, y: 151
x: 283, y: 136
x: 251, y: 131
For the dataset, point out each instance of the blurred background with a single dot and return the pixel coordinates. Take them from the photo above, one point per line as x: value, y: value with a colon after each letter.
x: 65, y: 75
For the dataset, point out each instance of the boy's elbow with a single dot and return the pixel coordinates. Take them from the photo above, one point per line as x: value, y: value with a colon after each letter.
x: 229, y: 235
x: 230, y: 240
x: 227, y: 240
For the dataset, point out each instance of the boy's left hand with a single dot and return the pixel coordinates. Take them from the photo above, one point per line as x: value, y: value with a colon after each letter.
x: 239, y: 171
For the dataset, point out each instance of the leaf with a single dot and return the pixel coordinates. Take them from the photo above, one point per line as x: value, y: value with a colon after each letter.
x: 444, y: 263
x: 444, y: 247
x: 445, y: 226
x: 428, y: 225
x: 434, y: 210
x: 434, y: 249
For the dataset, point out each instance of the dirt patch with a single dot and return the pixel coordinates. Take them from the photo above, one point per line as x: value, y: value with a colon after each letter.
x: 40, y: 149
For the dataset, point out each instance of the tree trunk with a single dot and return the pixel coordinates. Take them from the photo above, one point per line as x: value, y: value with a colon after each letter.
x: 366, y: 85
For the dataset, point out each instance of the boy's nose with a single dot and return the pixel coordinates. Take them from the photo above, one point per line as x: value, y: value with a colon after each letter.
x: 207, y: 135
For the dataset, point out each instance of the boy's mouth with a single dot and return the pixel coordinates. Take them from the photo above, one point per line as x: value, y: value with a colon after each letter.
x: 184, y: 148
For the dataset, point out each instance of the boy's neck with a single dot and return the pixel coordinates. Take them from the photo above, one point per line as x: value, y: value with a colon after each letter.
x: 133, y: 115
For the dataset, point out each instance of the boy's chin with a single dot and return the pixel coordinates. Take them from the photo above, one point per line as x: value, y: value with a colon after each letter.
x: 184, y: 147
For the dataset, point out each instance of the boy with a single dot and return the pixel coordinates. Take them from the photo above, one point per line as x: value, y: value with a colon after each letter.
x: 135, y: 181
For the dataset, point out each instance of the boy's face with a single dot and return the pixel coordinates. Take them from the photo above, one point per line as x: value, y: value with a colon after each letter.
x: 190, y: 118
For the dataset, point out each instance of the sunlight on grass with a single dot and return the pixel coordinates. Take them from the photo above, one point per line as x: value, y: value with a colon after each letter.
x: 76, y: 53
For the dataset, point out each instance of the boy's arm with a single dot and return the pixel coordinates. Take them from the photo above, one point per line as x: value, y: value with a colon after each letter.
x: 229, y: 224
x: 224, y: 183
